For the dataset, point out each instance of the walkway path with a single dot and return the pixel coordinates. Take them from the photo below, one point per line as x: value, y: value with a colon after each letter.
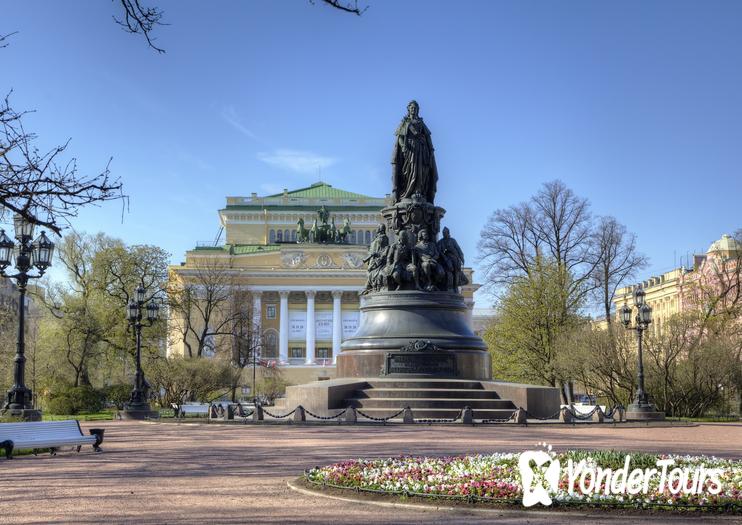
x: 198, y: 473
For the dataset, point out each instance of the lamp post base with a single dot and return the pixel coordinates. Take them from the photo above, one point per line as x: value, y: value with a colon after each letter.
x: 138, y: 411
x: 643, y: 412
x: 26, y: 414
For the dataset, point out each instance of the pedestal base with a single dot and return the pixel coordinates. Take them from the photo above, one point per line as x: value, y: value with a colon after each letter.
x: 26, y: 414
x: 138, y: 411
x: 643, y: 413
x: 414, y: 334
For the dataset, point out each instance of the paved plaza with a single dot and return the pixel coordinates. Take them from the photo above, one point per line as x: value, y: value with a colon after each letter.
x: 199, y: 473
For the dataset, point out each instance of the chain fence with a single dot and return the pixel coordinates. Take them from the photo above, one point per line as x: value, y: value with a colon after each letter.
x: 276, y: 416
x: 381, y: 419
x: 514, y: 416
x: 324, y: 418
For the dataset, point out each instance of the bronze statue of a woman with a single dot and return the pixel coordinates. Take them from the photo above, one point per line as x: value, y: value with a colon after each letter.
x: 413, y: 161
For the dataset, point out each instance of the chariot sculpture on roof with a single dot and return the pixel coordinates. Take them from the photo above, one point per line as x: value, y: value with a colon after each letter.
x: 323, y: 230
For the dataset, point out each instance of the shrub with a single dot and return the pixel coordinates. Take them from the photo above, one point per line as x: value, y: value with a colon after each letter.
x: 73, y: 400
x: 118, y: 394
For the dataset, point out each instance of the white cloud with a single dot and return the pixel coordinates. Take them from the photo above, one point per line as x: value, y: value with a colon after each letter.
x: 230, y: 115
x: 297, y: 161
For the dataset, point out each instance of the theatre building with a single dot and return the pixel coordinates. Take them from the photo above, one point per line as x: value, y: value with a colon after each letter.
x: 295, y: 260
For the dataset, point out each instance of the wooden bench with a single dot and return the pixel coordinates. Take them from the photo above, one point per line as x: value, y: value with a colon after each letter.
x: 36, y: 435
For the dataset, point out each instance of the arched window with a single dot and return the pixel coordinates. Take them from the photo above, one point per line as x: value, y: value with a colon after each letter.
x: 293, y: 235
x: 279, y: 236
x: 286, y: 235
x: 272, y: 236
x: 368, y: 237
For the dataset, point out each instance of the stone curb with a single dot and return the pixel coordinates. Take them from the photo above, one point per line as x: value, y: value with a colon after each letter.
x: 671, y: 517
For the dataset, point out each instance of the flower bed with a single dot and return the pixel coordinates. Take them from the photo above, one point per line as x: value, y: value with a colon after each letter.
x: 496, y: 479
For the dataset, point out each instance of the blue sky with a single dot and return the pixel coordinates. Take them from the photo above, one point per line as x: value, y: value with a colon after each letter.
x: 635, y: 105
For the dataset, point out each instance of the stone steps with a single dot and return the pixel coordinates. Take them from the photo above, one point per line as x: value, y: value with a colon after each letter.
x: 438, y: 413
x: 421, y: 402
x: 429, y: 398
x: 448, y: 384
x: 458, y: 393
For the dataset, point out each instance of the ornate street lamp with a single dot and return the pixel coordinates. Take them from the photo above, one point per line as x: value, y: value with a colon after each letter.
x: 28, y: 255
x: 641, y: 409
x: 138, y: 406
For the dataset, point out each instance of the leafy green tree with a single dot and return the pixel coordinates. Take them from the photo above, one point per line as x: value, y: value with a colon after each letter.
x: 179, y: 379
x: 85, y: 335
x: 529, y: 334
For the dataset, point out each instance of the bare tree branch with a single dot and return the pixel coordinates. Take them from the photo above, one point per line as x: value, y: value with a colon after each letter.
x: 43, y: 187
x: 347, y: 6
x: 140, y: 20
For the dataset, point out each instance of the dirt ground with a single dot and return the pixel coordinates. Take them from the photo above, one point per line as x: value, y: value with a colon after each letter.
x: 199, y: 473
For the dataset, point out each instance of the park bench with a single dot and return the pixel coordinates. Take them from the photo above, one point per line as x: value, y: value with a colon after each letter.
x: 36, y: 435
x: 191, y: 409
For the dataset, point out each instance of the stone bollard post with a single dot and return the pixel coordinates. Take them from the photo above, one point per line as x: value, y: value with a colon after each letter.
x: 299, y: 414
x: 467, y: 416
x: 598, y: 416
x: 407, y: 416
x: 229, y: 413
x: 565, y: 416
x: 350, y: 415
x: 257, y: 414
x: 520, y: 417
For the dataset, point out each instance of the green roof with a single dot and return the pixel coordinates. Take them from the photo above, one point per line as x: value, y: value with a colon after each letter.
x: 322, y: 190
x: 241, y: 249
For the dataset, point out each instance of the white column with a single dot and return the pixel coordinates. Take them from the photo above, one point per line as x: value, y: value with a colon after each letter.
x: 257, y: 318
x: 283, y: 337
x: 310, y: 327
x: 470, y: 313
x: 337, y: 324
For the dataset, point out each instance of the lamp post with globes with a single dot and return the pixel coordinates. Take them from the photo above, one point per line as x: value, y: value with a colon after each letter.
x: 138, y: 406
x: 641, y: 409
x: 28, y: 255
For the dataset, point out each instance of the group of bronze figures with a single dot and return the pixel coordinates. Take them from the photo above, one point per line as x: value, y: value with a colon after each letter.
x: 414, y: 264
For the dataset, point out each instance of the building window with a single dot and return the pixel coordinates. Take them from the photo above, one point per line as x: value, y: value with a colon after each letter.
x: 324, y: 353
x: 368, y: 237
x: 270, y: 311
x: 296, y: 353
x: 286, y: 235
x: 293, y: 235
x: 270, y: 344
x: 279, y: 236
x: 272, y: 236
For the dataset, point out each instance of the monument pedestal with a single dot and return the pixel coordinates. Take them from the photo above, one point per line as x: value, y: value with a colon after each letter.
x: 414, y: 334
x: 643, y: 412
x: 26, y: 414
x: 138, y: 411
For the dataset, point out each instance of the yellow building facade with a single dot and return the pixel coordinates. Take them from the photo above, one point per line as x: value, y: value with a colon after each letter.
x: 304, y: 296
x: 672, y: 292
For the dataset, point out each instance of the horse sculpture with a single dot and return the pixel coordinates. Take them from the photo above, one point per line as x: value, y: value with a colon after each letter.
x: 302, y: 234
x: 344, y: 231
x: 314, y: 232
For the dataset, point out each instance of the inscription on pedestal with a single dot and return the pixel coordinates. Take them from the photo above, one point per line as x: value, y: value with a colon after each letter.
x: 421, y: 364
